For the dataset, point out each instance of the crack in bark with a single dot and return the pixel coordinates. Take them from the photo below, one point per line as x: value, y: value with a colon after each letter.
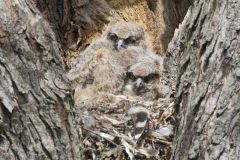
x: 47, y: 153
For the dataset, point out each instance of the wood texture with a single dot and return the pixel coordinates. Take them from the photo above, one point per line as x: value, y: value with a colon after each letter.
x: 208, y: 84
x: 37, y: 119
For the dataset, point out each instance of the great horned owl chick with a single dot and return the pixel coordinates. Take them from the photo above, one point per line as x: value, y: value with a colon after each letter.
x: 123, y: 34
x: 104, y: 59
x: 134, y: 71
x: 118, y: 36
x: 143, y: 78
x: 101, y: 74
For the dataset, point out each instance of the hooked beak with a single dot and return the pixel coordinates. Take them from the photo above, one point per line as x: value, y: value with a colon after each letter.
x: 139, y: 84
x: 119, y: 44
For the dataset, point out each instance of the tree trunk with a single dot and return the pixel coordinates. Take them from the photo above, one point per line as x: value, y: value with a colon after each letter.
x: 208, y: 86
x: 37, y: 119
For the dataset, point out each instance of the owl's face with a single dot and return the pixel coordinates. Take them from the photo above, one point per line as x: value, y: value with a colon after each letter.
x: 143, y: 77
x: 145, y: 87
x: 124, y: 34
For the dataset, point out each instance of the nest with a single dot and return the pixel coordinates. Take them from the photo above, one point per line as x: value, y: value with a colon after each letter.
x: 127, y: 129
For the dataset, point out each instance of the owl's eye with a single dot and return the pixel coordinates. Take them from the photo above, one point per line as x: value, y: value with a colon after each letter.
x: 130, y: 40
x: 150, y: 77
x: 146, y: 79
x: 112, y: 36
x: 130, y: 76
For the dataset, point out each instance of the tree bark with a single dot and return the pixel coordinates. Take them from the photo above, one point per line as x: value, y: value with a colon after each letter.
x: 37, y: 119
x: 208, y: 85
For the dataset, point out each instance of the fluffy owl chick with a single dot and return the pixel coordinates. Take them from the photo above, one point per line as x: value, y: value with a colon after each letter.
x: 102, y: 68
x: 143, y: 78
x: 102, y: 74
x: 130, y: 56
x: 122, y: 59
x: 118, y: 36
x: 123, y: 34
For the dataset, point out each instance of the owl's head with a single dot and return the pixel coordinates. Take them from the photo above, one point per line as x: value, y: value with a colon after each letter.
x: 143, y: 78
x: 140, y: 84
x: 123, y: 34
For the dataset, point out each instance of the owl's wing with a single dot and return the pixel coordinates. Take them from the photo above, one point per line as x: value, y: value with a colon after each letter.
x: 86, y: 61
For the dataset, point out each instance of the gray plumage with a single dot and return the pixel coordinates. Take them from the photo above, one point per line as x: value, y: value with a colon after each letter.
x: 143, y: 77
x: 103, y: 70
x: 118, y: 36
x: 123, y: 34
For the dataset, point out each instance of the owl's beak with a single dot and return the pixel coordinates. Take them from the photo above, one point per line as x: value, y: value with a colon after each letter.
x: 139, y: 84
x: 119, y: 44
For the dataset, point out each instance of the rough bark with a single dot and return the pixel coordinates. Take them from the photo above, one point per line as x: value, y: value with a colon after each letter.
x: 53, y: 11
x: 37, y: 118
x: 208, y: 86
